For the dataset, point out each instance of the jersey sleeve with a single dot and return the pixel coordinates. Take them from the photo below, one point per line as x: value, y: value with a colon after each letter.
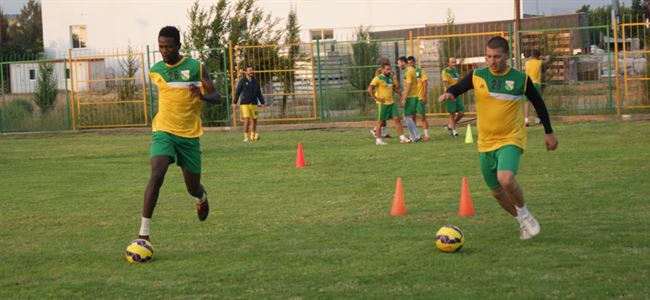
x: 423, y: 75
x: 375, y: 81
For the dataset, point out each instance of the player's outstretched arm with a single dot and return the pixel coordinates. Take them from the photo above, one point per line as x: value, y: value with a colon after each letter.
x: 534, y: 97
x: 211, y: 94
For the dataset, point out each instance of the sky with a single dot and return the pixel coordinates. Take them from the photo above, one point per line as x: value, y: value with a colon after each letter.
x: 542, y: 7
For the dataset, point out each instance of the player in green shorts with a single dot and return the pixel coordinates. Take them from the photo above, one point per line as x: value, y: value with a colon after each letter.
x: 454, y: 107
x: 386, y: 108
x: 500, y: 92
x: 410, y: 98
x: 182, y: 83
x: 422, y: 84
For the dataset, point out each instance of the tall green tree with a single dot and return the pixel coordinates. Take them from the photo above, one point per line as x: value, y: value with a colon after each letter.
x: 365, y: 54
x: 26, y: 35
x: 46, y: 90
x: 288, y: 62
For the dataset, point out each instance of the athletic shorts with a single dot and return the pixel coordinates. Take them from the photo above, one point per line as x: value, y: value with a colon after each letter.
x: 386, y: 112
x: 421, y: 109
x: 411, y: 106
x: 186, y: 152
x: 505, y: 158
x: 248, y: 111
x: 455, y: 106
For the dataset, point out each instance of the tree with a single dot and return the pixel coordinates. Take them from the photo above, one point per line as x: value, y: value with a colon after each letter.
x: 128, y: 66
x: 450, y: 45
x: 291, y: 38
x: 26, y: 35
x: 46, y: 91
x: 365, y: 54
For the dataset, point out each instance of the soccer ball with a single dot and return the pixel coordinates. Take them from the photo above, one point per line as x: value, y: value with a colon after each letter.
x: 449, y: 239
x: 139, y: 251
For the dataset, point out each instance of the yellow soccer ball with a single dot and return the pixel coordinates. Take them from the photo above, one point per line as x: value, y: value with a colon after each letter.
x: 139, y: 251
x: 449, y: 239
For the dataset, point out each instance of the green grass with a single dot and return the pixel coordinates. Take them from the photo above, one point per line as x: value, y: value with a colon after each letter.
x: 71, y: 203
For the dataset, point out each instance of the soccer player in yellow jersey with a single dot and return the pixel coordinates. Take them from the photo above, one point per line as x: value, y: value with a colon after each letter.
x: 533, y: 69
x: 383, y: 61
x: 499, y: 92
x: 422, y: 84
x: 455, y: 108
x: 410, y: 98
x: 386, y: 108
x: 182, y: 84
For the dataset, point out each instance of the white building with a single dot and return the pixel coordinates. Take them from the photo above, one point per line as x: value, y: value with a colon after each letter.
x: 109, y: 25
x: 90, y: 73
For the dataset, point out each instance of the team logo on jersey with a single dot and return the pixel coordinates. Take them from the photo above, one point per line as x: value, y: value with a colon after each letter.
x: 510, y: 85
x: 185, y: 74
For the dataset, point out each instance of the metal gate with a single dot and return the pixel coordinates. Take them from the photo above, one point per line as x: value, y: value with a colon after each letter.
x: 108, y: 90
x: 286, y: 75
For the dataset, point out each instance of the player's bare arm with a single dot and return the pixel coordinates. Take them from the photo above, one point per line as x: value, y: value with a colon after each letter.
x: 211, y: 94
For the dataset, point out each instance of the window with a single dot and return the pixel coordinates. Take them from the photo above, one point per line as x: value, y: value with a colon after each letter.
x: 78, y: 36
x: 32, y: 74
x: 67, y: 73
x: 322, y: 34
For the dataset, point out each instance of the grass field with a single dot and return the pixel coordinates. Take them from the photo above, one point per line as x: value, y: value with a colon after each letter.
x: 72, y: 202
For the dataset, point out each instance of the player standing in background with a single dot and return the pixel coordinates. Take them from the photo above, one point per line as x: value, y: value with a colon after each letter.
x: 410, y: 98
x: 177, y: 125
x: 422, y: 83
x: 248, y: 88
x: 383, y: 61
x: 386, y: 108
x: 533, y: 69
x: 454, y: 107
x: 499, y: 92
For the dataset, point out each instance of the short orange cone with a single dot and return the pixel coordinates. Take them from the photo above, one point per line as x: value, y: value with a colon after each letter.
x: 466, y: 208
x: 300, y: 157
x: 399, y: 209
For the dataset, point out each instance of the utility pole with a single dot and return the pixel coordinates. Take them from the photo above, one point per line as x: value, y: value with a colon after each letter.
x: 517, y: 43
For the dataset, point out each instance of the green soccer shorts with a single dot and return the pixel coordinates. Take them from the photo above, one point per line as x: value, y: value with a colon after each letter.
x: 186, y: 152
x: 387, y: 112
x: 505, y: 158
x: 411, y: 106
x: 455, y: 106
x: 421, y: 109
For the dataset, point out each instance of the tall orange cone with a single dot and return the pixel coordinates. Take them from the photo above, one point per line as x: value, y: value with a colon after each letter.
x: 399, y: 209
x: 300, y: 157
x: 466, y: 208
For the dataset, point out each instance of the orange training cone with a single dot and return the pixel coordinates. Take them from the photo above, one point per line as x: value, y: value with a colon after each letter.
x: 466, y: 208
x: 399, y: 209
x: 300, y: 157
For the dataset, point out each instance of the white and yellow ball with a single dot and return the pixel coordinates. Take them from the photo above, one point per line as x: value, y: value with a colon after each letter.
x: 139, y: 251
x: 449, y: 239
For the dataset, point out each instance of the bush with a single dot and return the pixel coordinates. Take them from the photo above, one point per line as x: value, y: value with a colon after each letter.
x: 16, y: 112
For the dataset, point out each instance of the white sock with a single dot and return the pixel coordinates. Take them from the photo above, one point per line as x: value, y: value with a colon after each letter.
x: 522, y: 211
x: 426, y: 132
x: 526, y: 120
x: 205, y: 196
x: 378, y: 140
x: 403, y: 138
x: 454, y: 132
x: 145, y: 225
x: 413, y: 129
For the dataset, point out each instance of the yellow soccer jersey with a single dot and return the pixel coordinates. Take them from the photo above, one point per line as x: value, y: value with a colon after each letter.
x: 534, y: 70
x: 410, y: 78
x: 383, y: 88
x: 499, y: 107
x: 179, y: 112
x: 449, y: 76
x: 421, y: 77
